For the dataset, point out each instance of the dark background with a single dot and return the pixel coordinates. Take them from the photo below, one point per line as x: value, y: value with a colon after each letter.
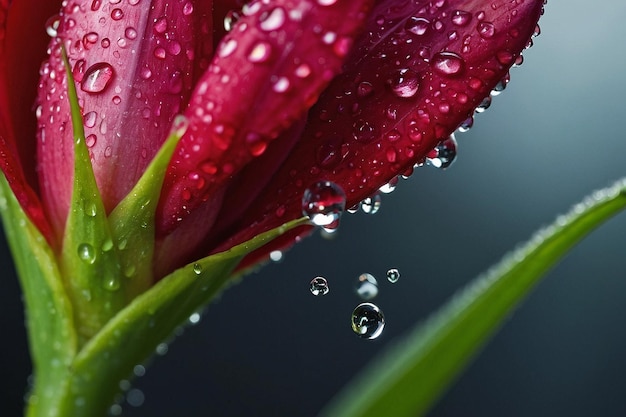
x: 269, y: 348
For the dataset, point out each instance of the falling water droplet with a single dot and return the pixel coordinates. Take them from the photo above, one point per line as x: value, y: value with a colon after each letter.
x: 366, y: 286
x: 87, y: 253
x: 319, y: 286
x: 97, y: 78
x: 393, y: 275
x: 444, y: 154
x: 368, y: 321
x: 323, y: 203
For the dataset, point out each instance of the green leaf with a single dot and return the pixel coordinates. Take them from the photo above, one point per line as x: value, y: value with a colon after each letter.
x: 133, y: 334
x: 48, y: 310
x: 414, y: 372
x: 132, y: 221
x: 90, y: 266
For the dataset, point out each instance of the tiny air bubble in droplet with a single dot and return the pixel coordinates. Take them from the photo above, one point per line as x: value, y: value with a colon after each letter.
x: 319, y: 286
x: 366, y: 286
x: 368, y: 321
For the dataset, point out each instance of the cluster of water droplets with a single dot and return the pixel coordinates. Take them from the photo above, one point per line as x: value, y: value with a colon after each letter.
x: 368, y: 320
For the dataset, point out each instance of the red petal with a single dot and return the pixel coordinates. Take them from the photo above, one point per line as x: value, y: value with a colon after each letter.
x: 419, y: 72
x: 267, y: 72
x: 22, y: 48
x: 134, y: 63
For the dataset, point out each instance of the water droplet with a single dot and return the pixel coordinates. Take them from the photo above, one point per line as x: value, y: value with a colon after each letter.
x: 197, y: 269
x: 393, y: 275
x: 90, y: 119
x: 444, y: 154
x: 404, y: 83
x: 90, y: 208
x: 486, y: 29
x: 323, y: 203
x: 281, y: 85
x: 130, y: 33
x: 371, y: 205
x: 390, y: 186
x: 188, y: 8
x: 448, y: 63
x: 366, y: 286
x: 97, y: 78
x: 417, y: 25
x: 368, y: 321
x: 276, y: 256
x: 135, y: 397
x: 484, y: 105
x: 274, y: 20
x: 319, y: 286
x: 326, y: 2
x: 117, y: 14
x: 461, y: 18
x: 87, y: 253
x: 162, y: 349
x: 194, y: 318
x: 111, y: 283
x: 160, y: 25
x: 52, y: 25
x: 260, y: 52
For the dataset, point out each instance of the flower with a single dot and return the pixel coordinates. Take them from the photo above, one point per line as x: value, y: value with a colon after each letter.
x: 296, y: 92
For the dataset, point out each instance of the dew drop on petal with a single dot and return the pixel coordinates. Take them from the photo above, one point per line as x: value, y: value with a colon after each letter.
x: 448, y: 63
x: 87, y: 253
x: 260, y: 52
x: 274, y: 20
x: 97, y: 78
x: 52, y: 25
x: 486, y: 30
x: 404, y: 83
x: 393, y: 275
x: 444, y: 154
x: 366, y: 286
x: 231, y: 19
x: 323, y: 203
x: 90, y: 119
x: 417, y: 25
x: 319, y: 286
x: 368, y: 321
x: 461, y: 18
x: 371, y: 205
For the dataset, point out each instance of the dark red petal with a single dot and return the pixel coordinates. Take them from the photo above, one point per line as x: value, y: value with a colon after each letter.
x: 135, y: 64
x: 22, y: 48
x: 417, y: 74
x: 266, y: 74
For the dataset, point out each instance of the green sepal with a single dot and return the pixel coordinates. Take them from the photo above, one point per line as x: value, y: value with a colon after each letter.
x: 135, y: 332
x: 132, y: 222
x: 52, y: 338
x: 90, y: 266
x: 415, y: 371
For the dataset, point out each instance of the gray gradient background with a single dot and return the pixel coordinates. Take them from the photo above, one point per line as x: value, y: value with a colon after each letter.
x: 269, y: 348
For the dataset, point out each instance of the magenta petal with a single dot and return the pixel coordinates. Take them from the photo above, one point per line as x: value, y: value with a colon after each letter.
x: 21, y: 49
x: 419, y: 71
x: 266, y: 73
x: 134, y: 64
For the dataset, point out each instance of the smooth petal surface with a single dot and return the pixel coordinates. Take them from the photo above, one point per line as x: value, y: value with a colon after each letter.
x: 266, y: 74
x: 418, y: 73
x: 22, y: 48
x: 135, y: 63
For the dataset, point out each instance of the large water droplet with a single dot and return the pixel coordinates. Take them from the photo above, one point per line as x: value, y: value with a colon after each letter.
x: 393, y: 275
x: 443, y: 155
x: 97, y: 78
x: 368, y: 321
x: 448, y: 63
x: 319, y: 286
x: 52, y: 25
x: 87, y: 253
x: 404, y: 83
x: 486, y: 29
x: 323, y: 203
x: 366, y: 286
